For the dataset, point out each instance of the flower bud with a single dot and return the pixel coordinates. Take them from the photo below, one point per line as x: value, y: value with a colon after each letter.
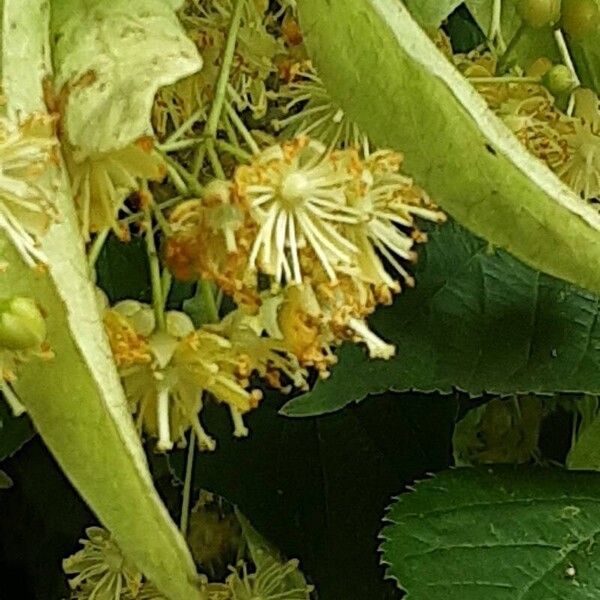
x: 22, y: 325
x: 559, y: 80
x: 539, y: 13
x: 580, y: 17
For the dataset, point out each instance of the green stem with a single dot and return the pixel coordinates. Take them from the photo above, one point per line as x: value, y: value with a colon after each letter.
x: 243, y: 131
x: 503, y: 62
x: 190, y: 181
x: 177, y: 180
x: 97, y: 246
x: 12, y: 399
x: 504, y: 79
x: 155, y: 275
x: 495, y: 33
x: 165, y: 283
x: 180, y: 144
x: 159, y: 205
x: 214, y: 159
x: 234, y: 150
x: 212, y: 122
x: 208, y: 296
x: 187, y: 484
x: 184, y: 126
x: 199, y: 160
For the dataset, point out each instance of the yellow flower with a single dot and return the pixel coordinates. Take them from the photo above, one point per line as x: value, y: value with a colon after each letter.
x: 271, y: 581
x: 102, y: 182
x: 26, y: 205
x: 207, y: 23
x: 296, y: 193
x: 582, y: 171
x: 313, y: 112
x: 210, y: 240
x: 100, y: 570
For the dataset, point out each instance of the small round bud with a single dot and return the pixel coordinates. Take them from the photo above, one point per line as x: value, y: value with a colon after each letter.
x: 559, y: 80
x: 22, y: 325
x: 580, y: 17
x: 539, y: 13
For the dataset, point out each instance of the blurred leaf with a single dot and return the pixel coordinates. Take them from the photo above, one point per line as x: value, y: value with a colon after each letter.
x: 465, y: 34
x: 316, y: 489
x: 586, y: 56
x: 478, y: 320
x: 14, y: 431
x: 500, y: 431
x: 431, y: 13
x: 534, y: 43
x: 264, y: 555
x: 5, y: 481
x: 497, y: 533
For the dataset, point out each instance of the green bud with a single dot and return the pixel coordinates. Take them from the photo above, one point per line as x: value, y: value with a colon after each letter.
x: 559, y: 80
x: 22, y: 325
x: 539, y: 13
x: 580, y: 17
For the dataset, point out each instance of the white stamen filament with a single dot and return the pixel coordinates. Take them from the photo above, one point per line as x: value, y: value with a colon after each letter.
x: 162, y: 417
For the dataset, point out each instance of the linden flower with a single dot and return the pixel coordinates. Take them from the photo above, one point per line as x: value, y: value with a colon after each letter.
x: 211, y: 240
x: 540, y: 127
x: 344, y: 306
x: 582, y: 172
x: 388, y: 203
x: 265, y: 356
x: 313, y: 111
x: 272, y: 581
x: 165, y: 373
x: 100, y: 570
x: 26, y: 207
x: 296, y: 193
x: 295, y: 317
x: 207, y: 23
x: 102, y: 182
x: 176, y: 103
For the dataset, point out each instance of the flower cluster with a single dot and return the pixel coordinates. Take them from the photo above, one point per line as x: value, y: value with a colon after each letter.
x: 529, y: 103
x: 275, y: 198
x: 26, y: 186
x: 166, y: 370
x: 100, y: 570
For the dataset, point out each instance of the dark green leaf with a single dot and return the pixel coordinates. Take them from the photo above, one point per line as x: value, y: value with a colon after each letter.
x: 497, y: 534
x: 317, y: 489
x: 14, y: 431
x: 479, y: 320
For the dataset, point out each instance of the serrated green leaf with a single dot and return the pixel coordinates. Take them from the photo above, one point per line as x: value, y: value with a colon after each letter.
x: 75, y: 399
x: 498, y: 534
x: 390, y: 78
x: 478, y: 320
x: 110, y: 58
x: 14, y: 431
x: 431, y: 13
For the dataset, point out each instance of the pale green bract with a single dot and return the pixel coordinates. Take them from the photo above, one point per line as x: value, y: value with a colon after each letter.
x: 75, y: 399
x: 413, y: 100
x: 110, y: 59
